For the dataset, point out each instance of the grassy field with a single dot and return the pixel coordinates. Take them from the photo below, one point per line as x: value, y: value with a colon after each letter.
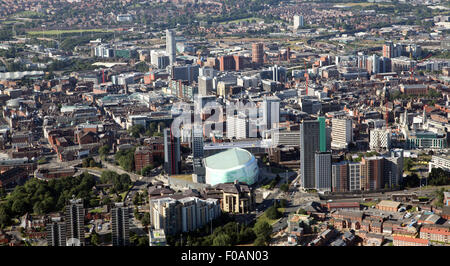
x: 369, y: 204
x: 363, y: 4
x: 29, y: 14
x: 122, y: 195
x: 98, y: 210
x: 56, y: 32
x: 263, y: 217
x: 239, y: 20
x: 9, y: 22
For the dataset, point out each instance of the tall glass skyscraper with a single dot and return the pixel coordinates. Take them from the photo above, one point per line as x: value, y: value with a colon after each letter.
x: 171, y: 46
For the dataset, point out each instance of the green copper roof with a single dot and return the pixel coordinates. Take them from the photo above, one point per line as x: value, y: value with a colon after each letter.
x: 228, y: 159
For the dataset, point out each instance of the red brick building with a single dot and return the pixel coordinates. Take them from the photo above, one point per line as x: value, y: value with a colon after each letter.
x: 409, y: 241
x: 231, y: 62
x: 86, y: 137
x: 148, y: 154
x: 434, y: 232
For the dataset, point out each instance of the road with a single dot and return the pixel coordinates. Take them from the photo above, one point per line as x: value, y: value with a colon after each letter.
x: 109, y: 166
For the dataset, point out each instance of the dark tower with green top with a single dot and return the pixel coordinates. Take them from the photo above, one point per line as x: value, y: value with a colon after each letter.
x: 322, y: 134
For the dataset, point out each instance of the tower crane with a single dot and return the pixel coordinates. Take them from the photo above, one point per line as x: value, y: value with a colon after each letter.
x: 414, y: 67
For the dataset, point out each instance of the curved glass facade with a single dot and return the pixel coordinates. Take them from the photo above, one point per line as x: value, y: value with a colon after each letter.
x: 247, y: 173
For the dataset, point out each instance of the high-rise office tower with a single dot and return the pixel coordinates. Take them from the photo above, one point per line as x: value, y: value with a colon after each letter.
x: 278, y: 73
x: 75, y: 223
x: 271, y: 112
x: 258, y: 53
x: 339, y: 177
x: 56, y: 232
x: 309, y: 145
x: 120, y: 222
x: 323, y: 171
x: 172, y: 153
x: 197, y: 141
x: 186, y: 72
x: 159, y: 59
x: 341, y: 132
x: 171, y: 46
x: 205, y: 85
x: 298, y: 22
x: 198, y: 152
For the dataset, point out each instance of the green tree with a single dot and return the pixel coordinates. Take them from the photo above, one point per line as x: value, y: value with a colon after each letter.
x: 19, y: 206
x: 263, y: 229
x: 147, y: 169
x: 86, y: 162
x: 104, y: 150
x: 106, y: 200
x: 136, y: 199
x: 273, y: 213
x: 411, y: 181
x: 439, y: 177
x: 136, y: 130
x: 142, y: 67
x: 145, y: 219
x: 2, y: 192
x: 246, y: 235
x: 302, y: 211
x: 408, y: 164
x: 5, y: 218
x: 95, y: 239
x: 142, y: 241
x: 222, y: 240
x: 259, y: 241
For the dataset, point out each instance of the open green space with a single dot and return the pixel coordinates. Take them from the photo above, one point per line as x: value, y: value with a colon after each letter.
x: 364, y: 4
x: 97, y: 210
x: 242, y: 19
x: 369, y: 204
x: 56, y: 32
x: 123, y: 194
x: 28, y: 14
x: 264, y: 217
